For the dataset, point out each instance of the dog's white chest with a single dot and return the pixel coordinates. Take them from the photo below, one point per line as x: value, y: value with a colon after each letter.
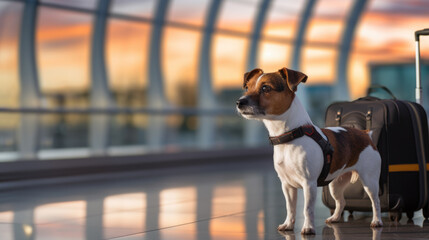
x: 298, y: 162
x: 289, y: 163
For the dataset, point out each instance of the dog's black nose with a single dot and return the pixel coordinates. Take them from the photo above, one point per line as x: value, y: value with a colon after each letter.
x: 243, y: 101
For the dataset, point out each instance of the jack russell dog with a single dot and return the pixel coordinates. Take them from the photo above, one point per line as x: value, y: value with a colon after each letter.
x: 306, y: 156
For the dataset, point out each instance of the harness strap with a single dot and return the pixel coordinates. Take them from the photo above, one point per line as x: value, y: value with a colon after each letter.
x: 310, y: 131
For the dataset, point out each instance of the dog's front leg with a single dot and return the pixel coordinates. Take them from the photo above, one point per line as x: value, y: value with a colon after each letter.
x: 310, y: 192
x: 291, y: 198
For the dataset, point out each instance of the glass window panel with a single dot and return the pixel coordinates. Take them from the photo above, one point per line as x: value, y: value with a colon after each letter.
x: 138, y: 8
x: 228, y: 62
x: 179, y: 63
x: 63, y: 51
x: 283, y: 17
x: 9, y: 123
x: 10, y: 19
x: 182, y: 130
x: 328, y: 20
x: 188, y: 11
x: 10, y: 16
x: 126, y: 59
x: 273, y: 56
x: 237, y: 15
x: 358, y: 75
x: 73, y: 3
x: 319, y: 64
x: 64, y: 130
x: 230, y: 129
x: 128, y: 129
x: 386, y: 35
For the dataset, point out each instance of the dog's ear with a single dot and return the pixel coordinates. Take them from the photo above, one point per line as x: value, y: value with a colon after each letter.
x: 293, y: 78
x: 249, y: 75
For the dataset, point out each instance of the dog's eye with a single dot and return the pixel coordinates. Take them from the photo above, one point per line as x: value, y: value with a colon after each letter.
x: 246, y: 88
x: 265, y: 89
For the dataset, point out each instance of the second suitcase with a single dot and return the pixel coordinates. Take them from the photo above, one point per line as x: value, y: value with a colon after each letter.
x: 400, y: 131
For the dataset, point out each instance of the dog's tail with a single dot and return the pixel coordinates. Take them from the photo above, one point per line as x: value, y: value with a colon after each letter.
x: 354, y: 177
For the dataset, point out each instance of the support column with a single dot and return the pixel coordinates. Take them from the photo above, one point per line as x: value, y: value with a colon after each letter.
x: 156, y: 95
x: 100, y: 93
x: 253, y: 129
x: 30, y: 96
x: 341, y: 88
x: 206, y: 97
x: 297, y: 49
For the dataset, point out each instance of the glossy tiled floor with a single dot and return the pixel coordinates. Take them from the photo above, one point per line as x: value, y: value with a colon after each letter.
x: 233, y: 201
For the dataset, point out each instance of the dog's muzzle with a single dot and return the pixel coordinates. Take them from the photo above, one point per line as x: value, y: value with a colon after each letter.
x: 247, y: 107
x: 242, y: 102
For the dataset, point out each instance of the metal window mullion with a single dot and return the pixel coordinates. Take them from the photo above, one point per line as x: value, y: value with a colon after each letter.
x: 253, y: 129
x: 29, y: 83
x: 258, y: 25
x: 100, y: 92
x: 30, y: 95
x: 299, y: 40
x: 100, y: 96
x: 155, y: 94
x: 341, y: 87
x: 297, y: 48
x: 206, y: 97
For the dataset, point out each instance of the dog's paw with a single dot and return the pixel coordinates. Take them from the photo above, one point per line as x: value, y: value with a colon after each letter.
x: 376, y: 224
x: 308, y: 231
x: 333, y: 219
x: 285, y: 227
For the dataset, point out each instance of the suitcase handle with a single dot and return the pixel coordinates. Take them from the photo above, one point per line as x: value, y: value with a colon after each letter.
x: 418, y: 77
x: 378, y: 86
x: 423, y: 32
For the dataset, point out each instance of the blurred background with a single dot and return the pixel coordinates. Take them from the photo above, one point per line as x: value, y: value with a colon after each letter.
x: 93, y: 86
x: 90, y: 78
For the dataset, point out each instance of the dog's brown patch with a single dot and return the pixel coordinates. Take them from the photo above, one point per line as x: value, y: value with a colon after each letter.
x: 347, y: 146
x: 277, y: 100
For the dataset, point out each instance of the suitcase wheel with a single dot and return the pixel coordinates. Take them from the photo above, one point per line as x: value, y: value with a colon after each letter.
x: 395, y: 216
x: 410, y: 215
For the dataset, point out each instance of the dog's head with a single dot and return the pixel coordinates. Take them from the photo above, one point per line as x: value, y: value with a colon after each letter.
x: 268, y: 94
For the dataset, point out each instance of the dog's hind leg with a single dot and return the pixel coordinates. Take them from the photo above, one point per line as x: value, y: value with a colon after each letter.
x: 290, y: 194
x: 370, y: 181
x: 371, y: 188
x: 336, y: 188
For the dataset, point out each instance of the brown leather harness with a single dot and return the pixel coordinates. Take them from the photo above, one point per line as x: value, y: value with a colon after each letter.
x: 310, y: 130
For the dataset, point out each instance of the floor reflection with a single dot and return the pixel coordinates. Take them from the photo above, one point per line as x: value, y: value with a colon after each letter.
x: 205, y: 203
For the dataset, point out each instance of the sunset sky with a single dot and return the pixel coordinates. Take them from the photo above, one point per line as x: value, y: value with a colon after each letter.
x: 384, y: 34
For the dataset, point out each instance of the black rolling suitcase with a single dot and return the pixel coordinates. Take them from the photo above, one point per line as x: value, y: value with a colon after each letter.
x: 400, y: 131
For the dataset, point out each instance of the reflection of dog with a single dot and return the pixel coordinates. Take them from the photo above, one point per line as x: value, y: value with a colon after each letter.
x: 339, y: 234
x: 304, y: 155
